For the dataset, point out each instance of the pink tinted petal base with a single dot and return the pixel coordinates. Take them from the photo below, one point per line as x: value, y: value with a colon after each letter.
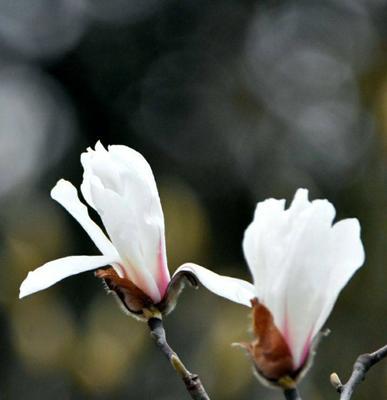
x: 143, y: 281
x: 306, y: 349
x: 286, y: 331
x: 288, y: 340
x: 163, y: 277
x: 146, y: 284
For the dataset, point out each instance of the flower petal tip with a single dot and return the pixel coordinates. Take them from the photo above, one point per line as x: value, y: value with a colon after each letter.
x: 302, y: 193
x: 62, y: 187
x: 27, y: 287
x: 99, y: 146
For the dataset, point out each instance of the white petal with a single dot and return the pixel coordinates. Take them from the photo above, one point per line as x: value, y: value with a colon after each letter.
x: 234, y: 289
x: 265, y: 265
x: 348, y: 253
x: 137, y: 164
x: 130, y: 240
x: 311, y: 261
x: 119, y: 184
x: 66, y: 195
x: 54, y: 271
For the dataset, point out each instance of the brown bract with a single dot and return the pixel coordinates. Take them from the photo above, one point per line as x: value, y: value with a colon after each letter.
x: 270, y: 352
x: 137, y: 303
x: 131, y: 297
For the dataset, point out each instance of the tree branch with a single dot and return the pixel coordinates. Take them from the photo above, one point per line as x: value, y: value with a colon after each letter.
x: 363, y: 363
x: 292, y: 394
x: 191, y: 381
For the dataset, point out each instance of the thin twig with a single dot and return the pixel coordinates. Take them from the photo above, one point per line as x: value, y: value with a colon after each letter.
x: 191, y: 381
x: 363, y: 363
x: 292, y: 394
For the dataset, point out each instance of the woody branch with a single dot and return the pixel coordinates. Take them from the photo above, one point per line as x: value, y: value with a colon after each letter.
x: 191, y: 381
x: 363, y: 363
x: 292, y: 394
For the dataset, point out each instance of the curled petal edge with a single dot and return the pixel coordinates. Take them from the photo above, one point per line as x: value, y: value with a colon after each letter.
x: 236, y: 290
x: 176, y: 285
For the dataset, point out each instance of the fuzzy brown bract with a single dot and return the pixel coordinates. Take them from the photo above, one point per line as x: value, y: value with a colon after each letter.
x: 269, y: 351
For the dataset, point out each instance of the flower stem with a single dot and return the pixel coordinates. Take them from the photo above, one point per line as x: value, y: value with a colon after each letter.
x: 292, y: 394
x: 191, y: 381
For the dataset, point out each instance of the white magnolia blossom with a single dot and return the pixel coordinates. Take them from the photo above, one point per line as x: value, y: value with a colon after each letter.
x: 299, y: 261
x: 119, y: 184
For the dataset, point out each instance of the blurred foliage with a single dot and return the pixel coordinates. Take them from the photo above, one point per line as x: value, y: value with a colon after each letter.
x: 231, y: 101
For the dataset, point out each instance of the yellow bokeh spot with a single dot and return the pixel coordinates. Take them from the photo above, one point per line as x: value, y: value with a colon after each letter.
x: 107, y: 350
x: 187, y: 228
x: 43, y: 331
x: 234, y: 368
x: 33, y: 237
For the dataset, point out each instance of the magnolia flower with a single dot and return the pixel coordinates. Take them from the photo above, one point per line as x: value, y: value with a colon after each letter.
x: 118, y: 184
x: 299, y: 262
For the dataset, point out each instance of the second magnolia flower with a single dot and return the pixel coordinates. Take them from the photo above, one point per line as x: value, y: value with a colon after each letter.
x: 299, y: 261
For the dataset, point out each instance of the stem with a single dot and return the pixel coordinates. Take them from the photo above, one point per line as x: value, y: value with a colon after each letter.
x: 292, y: 394
x: 191, y: 381
x: 363, y: 363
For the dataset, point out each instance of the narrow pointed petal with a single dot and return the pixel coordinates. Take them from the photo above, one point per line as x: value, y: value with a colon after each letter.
x: 234, y: 289
x: 54, y: 271
x: 67, y: 196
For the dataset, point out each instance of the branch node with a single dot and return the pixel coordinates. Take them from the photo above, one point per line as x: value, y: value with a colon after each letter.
x: 363, y: 364
x: 178, y: 366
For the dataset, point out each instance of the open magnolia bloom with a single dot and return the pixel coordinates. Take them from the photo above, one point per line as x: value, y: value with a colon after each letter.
x: 299, y: 262
x: 118, y: 184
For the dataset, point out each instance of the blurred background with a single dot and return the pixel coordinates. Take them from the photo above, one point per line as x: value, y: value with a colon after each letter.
x: 231, y: 102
